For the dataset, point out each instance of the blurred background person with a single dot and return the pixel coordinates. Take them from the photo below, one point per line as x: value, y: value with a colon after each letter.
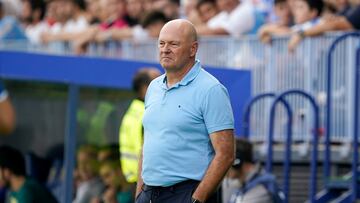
x: 188, y: 10
x: 236, y: 18
x: 70, y: 21
x: 22, y: 188
x: 254, y: 184
x: 7, y: 112
x: 134, y: 12
x: 131, y: 129
x: 171, y: 8
x: 118, y: 190
x: 206, y: 9
x: 10, y: 28
x: 150, y: 27
x: 108, y: 153
x: 89, y: 184
x: 348, y: 20
x: 306, y: 13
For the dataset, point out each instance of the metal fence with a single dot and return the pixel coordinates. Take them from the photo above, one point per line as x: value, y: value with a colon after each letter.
x: 274, y: 69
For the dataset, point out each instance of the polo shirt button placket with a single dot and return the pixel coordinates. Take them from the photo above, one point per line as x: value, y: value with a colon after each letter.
x: 164, y: 97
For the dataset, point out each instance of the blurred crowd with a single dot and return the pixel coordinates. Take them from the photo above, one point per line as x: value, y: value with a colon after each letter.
x: 80, y: 22
x: 98, y: 177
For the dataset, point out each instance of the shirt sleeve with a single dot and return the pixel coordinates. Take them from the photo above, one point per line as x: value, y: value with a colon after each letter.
x: 354, y: 18
x: 217, y: 111
x: 241, y: 20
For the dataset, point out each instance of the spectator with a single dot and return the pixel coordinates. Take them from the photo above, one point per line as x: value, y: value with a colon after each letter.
x: 190, y: 12
x: 306, y: 15
x: 134, y: 11
x: 349, y: 21
x: 108, y: 153
x: 151, y: 25
x: 117, y: 189
x: 71, y: 21
x: 32, y: 19
x: 10, y: 28
x: 90, y: 185
x: 207, y: 9
x: 282, y: 23
x: 235, y: 19
x: 341, y: 6
x: 7, y: 113
x: 257, y: 186
x: 283, y: 13
x: 112, y: 14
x: 22, y: 188
x: 12, y: 7
x: 92, y: 11
x: 33, y: 12
x: 171, y: 8
x: 131, y: 130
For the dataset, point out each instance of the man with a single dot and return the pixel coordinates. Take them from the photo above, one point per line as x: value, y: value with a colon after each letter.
x: 171, y: 8
x: 7, y: 113
x: 207, y: 9
x: 131, y: 130
x: 149, y: 28
x: 257, y: 186
x: 348, y: 22
x: 188, y: 125
x: 307, y: 14
x: 12, y: 173
x: 236, y: 18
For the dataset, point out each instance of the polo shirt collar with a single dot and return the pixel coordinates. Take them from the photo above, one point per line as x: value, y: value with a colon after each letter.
x: 190, y: 76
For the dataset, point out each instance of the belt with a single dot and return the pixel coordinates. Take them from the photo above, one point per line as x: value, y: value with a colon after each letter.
x: 170, y: 188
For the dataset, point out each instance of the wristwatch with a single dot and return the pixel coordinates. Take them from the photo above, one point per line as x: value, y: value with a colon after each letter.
x: 301, y: 33
x: 195, y: 201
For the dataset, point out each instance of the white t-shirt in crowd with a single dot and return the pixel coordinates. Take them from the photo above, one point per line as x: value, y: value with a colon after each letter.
x: 239, y: 21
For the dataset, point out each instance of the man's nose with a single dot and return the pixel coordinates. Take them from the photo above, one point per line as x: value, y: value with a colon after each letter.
x: 165, y: 48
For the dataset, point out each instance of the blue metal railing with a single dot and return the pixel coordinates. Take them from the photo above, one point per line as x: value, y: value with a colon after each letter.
x: 355, y: 185
x: 315, y: 138
x: 327, y: 172
x: 287, y: 152
x: 247, y: 112
x: 70, y: 142
x: 288, y: 143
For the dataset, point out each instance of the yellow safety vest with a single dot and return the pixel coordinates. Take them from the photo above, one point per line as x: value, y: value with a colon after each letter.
x: 130, y: 140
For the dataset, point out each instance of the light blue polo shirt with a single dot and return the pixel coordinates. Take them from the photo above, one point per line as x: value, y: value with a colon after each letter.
x: 177, y: 124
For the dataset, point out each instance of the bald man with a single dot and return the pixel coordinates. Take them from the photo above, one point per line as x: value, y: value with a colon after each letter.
x: 188, y: 125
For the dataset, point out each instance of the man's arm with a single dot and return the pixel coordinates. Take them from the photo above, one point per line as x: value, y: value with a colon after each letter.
x: 139, y: 180
x: 338, y: 23
x: 223, y: 143
x: 205, y: 30
x: 7, y: 117
x: 7, y: 113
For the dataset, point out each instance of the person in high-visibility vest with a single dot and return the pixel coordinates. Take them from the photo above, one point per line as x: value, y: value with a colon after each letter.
x: 131, y: 130
x: 7, y: 112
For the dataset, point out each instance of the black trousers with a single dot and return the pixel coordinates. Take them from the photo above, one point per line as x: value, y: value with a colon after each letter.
x: 178, y: 193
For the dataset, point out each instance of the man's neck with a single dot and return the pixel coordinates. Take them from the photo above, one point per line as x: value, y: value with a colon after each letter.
x: 17, y: 182
x: 174, y: 77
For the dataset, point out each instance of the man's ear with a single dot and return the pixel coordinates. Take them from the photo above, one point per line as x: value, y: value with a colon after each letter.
x: 194, y: 48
